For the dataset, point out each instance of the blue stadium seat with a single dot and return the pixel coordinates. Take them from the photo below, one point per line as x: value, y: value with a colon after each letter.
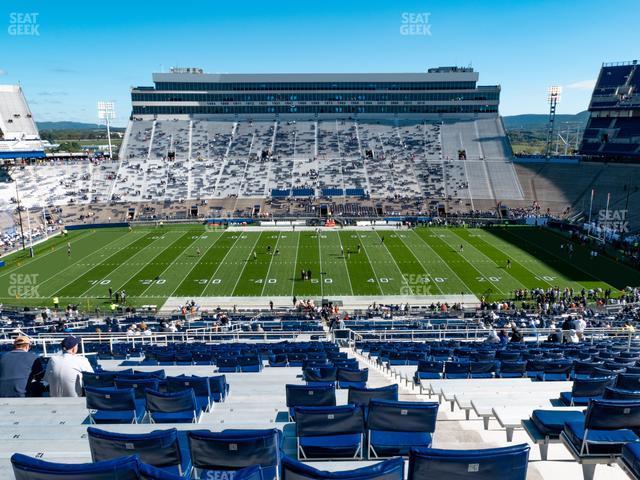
x: 513, y: 369
x: 329, y: 432
x: 508, y: 463
x: 482, y: 369
x: 394, y: 427
x: 611, y: 393
x: 219, y: 388
x: 545, y: 426
x: 98, y: 380
x: 173, y: 407
x: 113, y: 405
x: 139, y: 385
x: 232, y: 450
x: 123, y: 468
x: 428, y: 370
x: 456, y: 370
x: 392, y: 469
x: 304, y: 396
x: 159, y: 448
x: 607, y: 426
x: 227, y: 365
x: 584, y: 390
x: 319, y: 375
x: 629, y: 461
x: 628, y: 381
x: 352, y: 377
x: 362, y: 396
x: 200, y: 386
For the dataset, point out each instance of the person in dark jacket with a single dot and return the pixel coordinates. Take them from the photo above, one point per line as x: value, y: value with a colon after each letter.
x: 516, y: 335
x: 15, y: 368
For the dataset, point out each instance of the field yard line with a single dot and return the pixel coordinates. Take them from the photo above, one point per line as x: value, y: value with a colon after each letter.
x: 537, y: 275
x: 295, y: 266
x: 39, y: 257
x: 197, y: 263
x: 135, y: 255
x: 320, y: 279
x: 424, y: 267
x: 346, y: 267
x: 371, y: 264
x: 174, y: 261
x: 244, y: 267
x: 443, y: 261
x: 404, y: 280
x: 166, y: 268
x: 270, y: 263
x: 562, y: 260
x: 75, y: 263
x: 219, y: 265
x: 476, y: 268
x: 487, y: 257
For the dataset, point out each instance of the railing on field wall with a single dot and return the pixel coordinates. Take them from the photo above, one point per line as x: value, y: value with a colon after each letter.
x: 480, y: 334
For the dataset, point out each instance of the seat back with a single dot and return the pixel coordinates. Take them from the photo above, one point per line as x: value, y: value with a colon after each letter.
x: 456, y: 369
x: 320, y: 374
x: 392, y: 469
x: 154, y: 374
x: 324, y: 421
x: 394, y: 416
x: 98, y: 380
x: 123, y: 468
x: 353, y: 375
x: 628, y: 381
x: 590, y: 387
x: 362, y: 396
x: 139, y: 385
x: 110, y: 399
x: 171, y: 402
x: 612, y: 415
x: 218, y: 385
x: 611, y: 393
x: 509, y: 463
x: 303, y: 395
x: 234, y: 449
x: 430, y: 367
x: 200, y: 385
x: 159, y: 448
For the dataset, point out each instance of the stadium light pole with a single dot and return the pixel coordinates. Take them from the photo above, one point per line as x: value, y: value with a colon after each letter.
x: 107, y: 112
x: 19, y: 213
x: 553, y: 97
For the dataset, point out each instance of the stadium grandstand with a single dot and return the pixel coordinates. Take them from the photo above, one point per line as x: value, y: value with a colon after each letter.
x: 317, y: 277
x: 613, y: 130
x: 19, y: 138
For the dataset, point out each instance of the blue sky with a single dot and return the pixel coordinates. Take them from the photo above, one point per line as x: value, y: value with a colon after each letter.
x: 87, y: 51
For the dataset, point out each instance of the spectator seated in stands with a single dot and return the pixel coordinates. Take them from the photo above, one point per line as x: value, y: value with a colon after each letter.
x: 16, y: 368
x: 64, y: 371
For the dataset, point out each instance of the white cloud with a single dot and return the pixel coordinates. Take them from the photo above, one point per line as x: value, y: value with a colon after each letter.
x: 582, y: 85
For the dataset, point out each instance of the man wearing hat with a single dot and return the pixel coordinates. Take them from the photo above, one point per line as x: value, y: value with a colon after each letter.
x: 64, y: 371
x: 15, y: 368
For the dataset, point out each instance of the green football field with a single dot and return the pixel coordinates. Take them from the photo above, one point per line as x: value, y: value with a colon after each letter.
x: 153, y: 264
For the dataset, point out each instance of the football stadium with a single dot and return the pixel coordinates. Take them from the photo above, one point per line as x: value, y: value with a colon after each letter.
x: 336, y: 274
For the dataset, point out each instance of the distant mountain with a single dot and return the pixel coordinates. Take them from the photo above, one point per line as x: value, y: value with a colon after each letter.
x: 533, y: 121
x: 73, y: 126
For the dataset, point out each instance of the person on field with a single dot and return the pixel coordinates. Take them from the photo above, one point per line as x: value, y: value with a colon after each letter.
x: 15, y: 368
x: 64, y: 371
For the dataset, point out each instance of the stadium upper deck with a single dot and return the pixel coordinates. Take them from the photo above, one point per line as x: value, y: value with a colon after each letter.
x: 443, y: 92
x: 19, y: 137
x: 613, y: 131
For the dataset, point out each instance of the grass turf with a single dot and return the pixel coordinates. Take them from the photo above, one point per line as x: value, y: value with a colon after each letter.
x: 152, y: 264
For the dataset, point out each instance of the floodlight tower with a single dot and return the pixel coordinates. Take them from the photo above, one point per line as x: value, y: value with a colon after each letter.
x: 553, y: 97
x: 107, y: 112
